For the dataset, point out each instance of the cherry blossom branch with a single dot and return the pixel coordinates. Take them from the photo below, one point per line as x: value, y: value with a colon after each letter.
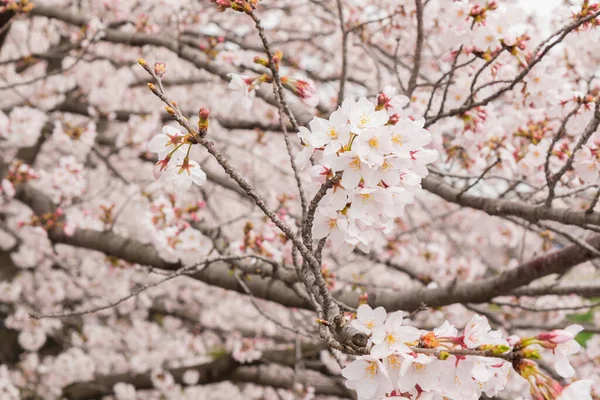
x: 581, y: 289
x: 193, y: 55
x: 559, y: 134
x: 346, y: 334
x: 180, y: 272
x: 282, y: 106
x: 272, y: 289
x: 539, y: 54
x: 589, y: 130
x: 263, y: 313
x: 275, y: 371
x: 412, y: 81
x: 479, y: 178
x: 547, y: 309
x: 344, y: 52
x: 502, y: 207
x: 314, y: 204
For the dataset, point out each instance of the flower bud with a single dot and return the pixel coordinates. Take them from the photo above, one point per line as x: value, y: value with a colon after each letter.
x: 382, y: 100
x: 153, y: 88
x: 556, y: 336
x: 261, y: 61
x: 160, y: 68
x: 363, y: 299
x: 203, y: 115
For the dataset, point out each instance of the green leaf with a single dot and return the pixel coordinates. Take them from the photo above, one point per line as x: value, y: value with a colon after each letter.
x: 581, y: 318
x: 583, y: 337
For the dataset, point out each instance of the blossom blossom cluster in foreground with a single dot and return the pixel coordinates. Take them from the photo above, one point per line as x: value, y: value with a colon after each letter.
x: 380, y: 155
x: 174, y: 165
x: 406, y: 362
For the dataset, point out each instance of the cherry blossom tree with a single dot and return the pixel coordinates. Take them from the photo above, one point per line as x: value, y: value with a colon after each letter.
x: 320, y: 199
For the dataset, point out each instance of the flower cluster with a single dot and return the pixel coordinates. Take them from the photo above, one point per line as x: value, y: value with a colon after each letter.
x: 410, y: 363
x: 487, y: 27
x: 21, y: 128
x: 18, y: 173
x: 176, y: 239
x: 381, y: 159
x: 174, y: 165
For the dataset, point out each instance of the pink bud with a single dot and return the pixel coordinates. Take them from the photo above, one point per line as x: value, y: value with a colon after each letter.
x: 557, y: 336
x: 204, y: 113
x: 382, y: 100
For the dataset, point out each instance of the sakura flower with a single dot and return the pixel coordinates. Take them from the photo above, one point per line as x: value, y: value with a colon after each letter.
x: 566, y: 349
x: 408, y: 135
x: 478, y: 332
x: 335, y: 132
x: 419, y: 369
x: 586, y: 165
x: 420, y: 159
x: 578, y: 390
x: 353, y: 167
x: 392, y: 337
x: 320, y: 173
x: 124, y: 391
x: 394, y: 103
x: 367, y: 203
x: 396, y: 198
x: 536, y: 154
x: 362, y: 115
x: 162, y: 380
x: 32, y: 338
x: 456, y: 380
x: 167, y: 142
x: 183, y: 175
x: 388, y: 172
x: 336, y: 198
x: 368, y: 377
x: 331, y: 224
x: 246, y: 91
x: 372, y: 145
x: 393, y: 365
x: 368, y: 319
x: 485, y: 38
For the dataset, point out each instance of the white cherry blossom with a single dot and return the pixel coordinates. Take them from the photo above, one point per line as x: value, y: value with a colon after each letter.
x: 368, y: 319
